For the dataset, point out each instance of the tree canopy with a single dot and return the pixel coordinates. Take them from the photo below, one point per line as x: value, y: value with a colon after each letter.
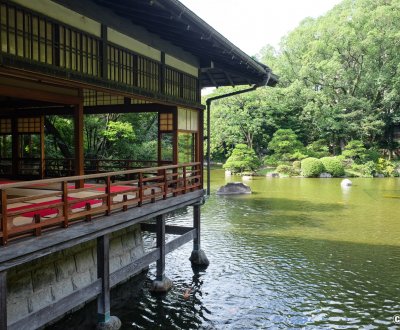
x: 339, y: 81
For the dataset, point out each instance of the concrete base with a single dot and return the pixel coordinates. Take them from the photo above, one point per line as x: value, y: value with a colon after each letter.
x: 113, y: 324
x: 199, y: 258
x: 161, y: 286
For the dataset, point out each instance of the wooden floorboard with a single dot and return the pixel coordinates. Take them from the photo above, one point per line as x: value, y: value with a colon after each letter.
x: 32, y: 248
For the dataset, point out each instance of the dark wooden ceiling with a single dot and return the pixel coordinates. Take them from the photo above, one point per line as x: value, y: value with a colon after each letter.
x: 222, y: 63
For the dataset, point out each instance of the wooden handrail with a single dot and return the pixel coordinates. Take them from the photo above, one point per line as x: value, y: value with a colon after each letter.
x: 92, y: 176
x: 62, y: 206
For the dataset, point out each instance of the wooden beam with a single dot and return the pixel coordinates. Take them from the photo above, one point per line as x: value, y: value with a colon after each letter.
x: 3, y: 300
x: 103, y: 273
x: 177, y: 242
x: 174, y: 230
x: 161, y: 247
x: 128, y: 108
x: 134, y: 268
x: 38, y: 95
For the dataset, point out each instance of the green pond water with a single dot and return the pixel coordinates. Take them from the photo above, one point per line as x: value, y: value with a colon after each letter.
x: 297, y: 253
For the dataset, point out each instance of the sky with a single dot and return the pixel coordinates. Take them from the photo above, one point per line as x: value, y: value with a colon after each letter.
x: 252, y: 24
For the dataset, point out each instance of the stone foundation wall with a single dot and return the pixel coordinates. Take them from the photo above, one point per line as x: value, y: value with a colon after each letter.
x: 37, y: 284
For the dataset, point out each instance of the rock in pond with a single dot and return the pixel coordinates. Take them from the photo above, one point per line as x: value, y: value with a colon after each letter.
x: 234, y: 188
x: 346, y: 183
x: 272, y: 175
x: 325, y: 175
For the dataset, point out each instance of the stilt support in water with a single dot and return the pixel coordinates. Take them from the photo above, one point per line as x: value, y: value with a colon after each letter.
x: 105, y: 321
x: 3, y: 300
x: 198, y: 256
x: 162, y: 284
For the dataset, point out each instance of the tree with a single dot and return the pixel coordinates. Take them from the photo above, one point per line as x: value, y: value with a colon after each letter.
x: 284, y: 144
x: 242, y: 159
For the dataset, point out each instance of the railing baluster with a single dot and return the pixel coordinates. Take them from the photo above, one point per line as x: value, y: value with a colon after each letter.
x: 65, y: 203
x: 184, y: 180
x: 108, y: 192
x: 165, y: 184
x: 140, y: 186
x: 4, y: 217
x: 38, y: 230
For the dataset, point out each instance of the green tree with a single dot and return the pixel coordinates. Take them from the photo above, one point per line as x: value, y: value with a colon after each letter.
x: 242, y: 159
x: 284, y: 144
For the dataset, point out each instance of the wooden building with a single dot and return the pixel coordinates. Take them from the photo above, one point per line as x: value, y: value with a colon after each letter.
x: 78, y: 57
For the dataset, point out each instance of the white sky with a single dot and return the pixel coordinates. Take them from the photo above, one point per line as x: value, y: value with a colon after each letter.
x: 252, y: 24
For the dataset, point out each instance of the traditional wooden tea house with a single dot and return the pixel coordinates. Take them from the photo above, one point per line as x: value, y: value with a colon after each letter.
x: 68, y: 232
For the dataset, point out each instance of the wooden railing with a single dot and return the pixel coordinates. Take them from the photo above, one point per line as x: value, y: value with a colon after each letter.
x: 56, y: 167
x: 28, y: 208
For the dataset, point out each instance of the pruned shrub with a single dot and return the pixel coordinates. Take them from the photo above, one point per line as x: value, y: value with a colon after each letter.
x: 285, y: 169
x: 333, y: 165
x: 297, y: 164
x: 242, y: 159
x: 311, y: 167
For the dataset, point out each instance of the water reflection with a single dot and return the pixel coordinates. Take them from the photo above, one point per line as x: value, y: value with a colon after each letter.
x: 297, y: 254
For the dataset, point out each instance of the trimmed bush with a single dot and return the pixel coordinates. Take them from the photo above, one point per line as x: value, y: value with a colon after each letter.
x: 385, y: 166
x: 297, y: 164
x: 285, y: 169
x: 333, y: 166
x: 311, y: 167
x: 271, y: 161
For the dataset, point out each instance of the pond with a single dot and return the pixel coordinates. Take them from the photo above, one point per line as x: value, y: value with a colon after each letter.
x: 296, y: 253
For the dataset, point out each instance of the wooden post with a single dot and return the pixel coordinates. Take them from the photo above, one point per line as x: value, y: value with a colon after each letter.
x: 103, y: 272
x: 15, y: 147
x: 141, y: 189
x: 108, y: 192
x: 184, y: 179
x: 3, y: 300
x: 175, y: 156
x: 161, y: 245
x: 65, y: 203
x: 165, y: 184
x: 4, y: 217
x: 196, y: 224
x: 198, y: 256
x: 78, y: 140
x: 42, y: 150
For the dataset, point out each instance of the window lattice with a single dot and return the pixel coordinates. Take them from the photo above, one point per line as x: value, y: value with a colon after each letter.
x: 25, y: 34
x: 5, y: 126
x: 29, y: 125
x: 166, y: 122
x: 39, y: 38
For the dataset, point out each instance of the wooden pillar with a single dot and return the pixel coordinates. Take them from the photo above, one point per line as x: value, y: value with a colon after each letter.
x: 161, y: 246
x: 3, y: 300
x: 175, y: 138
x: 103, y: 272
x: 78, y: 141
x: 162, y: 74
x: 104, y: 52
x: 42, y: 150
x: 201, y: 145
x: 15, y: 146
x: 196, y: 225
x: 198, y: 256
